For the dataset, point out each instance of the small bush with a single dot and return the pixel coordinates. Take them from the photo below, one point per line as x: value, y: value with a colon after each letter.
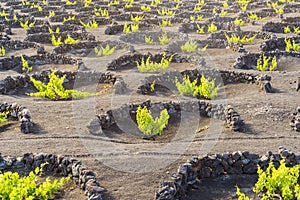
x: 56, y: 42
x: 12, y: 186
x: 136, y: 18
x: 148, y: 40
x: 150, y: 126
x: 107, y: 51
x: 281, y: 183
x: 212, y: 28
x: 25, y: 65
x: 291, y: 45
x: 90, y: 24
x: 237, y: 39
x: 206, y: 89
x: 55, y: 90
x: 26, y: 25
x: 2, y: 51
x: 189, y: 47
x: 164, y: 39
x: 165, y: 23
x: 3, y: 117
x: 70, y: 40
x: 101, y: 13
x: 262, y: 63
x: 150, y: 66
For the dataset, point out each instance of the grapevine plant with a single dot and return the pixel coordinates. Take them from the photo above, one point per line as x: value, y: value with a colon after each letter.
x: 12, y: 186
x: 206, y: 88
x: 3, y: 117
x: 281, y: 183
x: 150, y: 126
x: 55, y: 90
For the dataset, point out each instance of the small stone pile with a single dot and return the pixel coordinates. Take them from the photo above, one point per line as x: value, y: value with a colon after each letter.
x: 18, y: 112
x: 59, y: 165
x: 233, y: 120
x: 217, y: 165
x: 295, y: 122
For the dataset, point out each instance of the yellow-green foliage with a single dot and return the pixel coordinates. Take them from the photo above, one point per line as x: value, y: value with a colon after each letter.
x: 165, y: 23
x: 56, y: 42
x: 145, y: 8
x: 237, y: 39
x: 26, y: 25
x: 148, y: 40
x: 164, y: 39
x: 212, y: 28
x: 70, y: 18
x: 197, y: 8
x: 255, y: 17
x: 68, y: 2
x: 206, y: 89
x: 189, y: 47
x: 114, y: 2
x: 55, y: 90
x: 37, y: 6
x: 262, y: 63
x: 280, y: 183
x: 107, y: 51
x: 128, y: 5
x: 150, y: 66
x: 290, y: 45
x: 12, y: 186
x: 278, y: 10
x: 87, y: 3
x: 57, y: 30
x: 101, y: 13
x: 203, y: 48
x: 244, y: 7
x: 24, y: 3
x: 287, y: 29
x: 223, y: 13
x: 239, y: 22
x: 51, y: 13
x: 3, y: 117
x: 165, y: 11
x: 90, y: 24
x: 70, y: 40
x: 136, y: 18
x: 131, y: 27
x: 150, y: 126
x: 2, y: 51
x: 155, y: 2
x: 200, y: 29
x: 201, y: 2
x: 225, y: 4
x: 25, y: 65
x: 4, y: 14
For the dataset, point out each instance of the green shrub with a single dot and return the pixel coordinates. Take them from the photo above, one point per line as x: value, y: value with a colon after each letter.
x: 54, y: 89
x: 70, y: 40
x: 136, y: 18
x: 56, y: 42
x: 145, y: 8
x: 26, y: 25
x: 3, y: 117
x: 150, y: 66
x: 212, y: 28
x: 25, y: 65
x: 262, y: 63
x: 206, y: 88
x: 2, y: 51
x: 281, y: 183
x: 165, y: 23
x: 164, y: 39
x: 189, y: 47
x: 57, y: 30
x: 12, y: 186
x: 107, y: 51
x: 148, y: 40
x: 90, y: 24
x: 101, y: 13
x: 150, y: 126
x: 237, y: 39
x: 291, y: 45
